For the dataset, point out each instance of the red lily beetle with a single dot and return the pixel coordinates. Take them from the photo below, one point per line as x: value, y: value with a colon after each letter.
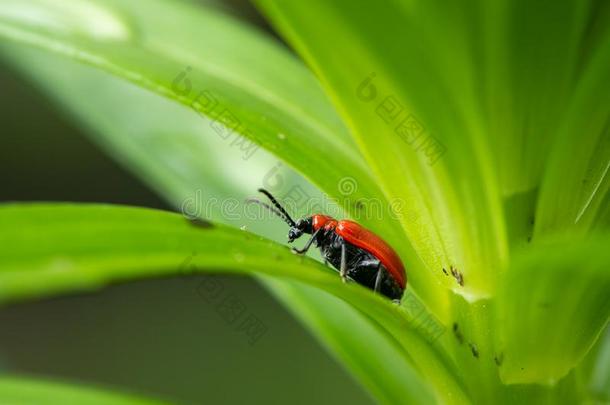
x: 356, y: 252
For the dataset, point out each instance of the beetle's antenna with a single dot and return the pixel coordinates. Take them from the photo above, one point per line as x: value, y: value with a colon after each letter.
x: 269, y: 207
x: 286, y: 216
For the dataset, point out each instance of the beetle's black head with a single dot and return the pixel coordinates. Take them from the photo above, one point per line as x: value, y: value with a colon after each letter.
x: 303, y: 225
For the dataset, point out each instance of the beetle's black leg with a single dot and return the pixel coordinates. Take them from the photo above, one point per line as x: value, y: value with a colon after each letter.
x: 380, y: 269
x: 308, y: 244
x: 343, y: 268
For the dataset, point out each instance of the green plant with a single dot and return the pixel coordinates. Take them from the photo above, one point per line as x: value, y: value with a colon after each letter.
x: 505, y: 234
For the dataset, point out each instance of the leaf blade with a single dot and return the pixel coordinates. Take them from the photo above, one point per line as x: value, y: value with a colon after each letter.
x: 365, y: 48
x: 306, y: 133
x: 25, y: 391
x: 539, y: 311
x: 48, y: 249
x: 150, y: 135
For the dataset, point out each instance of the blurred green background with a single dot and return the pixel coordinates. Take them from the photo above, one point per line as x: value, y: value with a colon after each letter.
x: 156, y: 337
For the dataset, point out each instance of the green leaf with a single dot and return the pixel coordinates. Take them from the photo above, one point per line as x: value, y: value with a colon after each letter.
x: 598, y: 378
x: 552, y: 306
x: 168, y: 153
x: 577, y: 178
x: 48, y: 249
x: 272, y: 100
x: 172, y: 151
x: 533, y: 51
x: 593, y: 372
x: 392, y: 55
x: 399, y: 384
x: 28, y: 391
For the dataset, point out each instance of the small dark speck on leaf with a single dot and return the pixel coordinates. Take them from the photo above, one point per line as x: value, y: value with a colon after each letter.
x: 498, y: 359
x: 474, y: 350
x: 458, y: 333
x: 200, y: 223
x: 359, y: 205
x: 529, y: 239
x: 532, y: 221
x: 459, y: 277
x: 445, y: 271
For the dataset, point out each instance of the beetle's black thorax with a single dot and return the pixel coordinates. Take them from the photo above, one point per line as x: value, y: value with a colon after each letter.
x: 330, y: 243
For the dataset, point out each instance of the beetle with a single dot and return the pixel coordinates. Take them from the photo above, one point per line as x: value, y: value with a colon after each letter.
x: 356, y: 252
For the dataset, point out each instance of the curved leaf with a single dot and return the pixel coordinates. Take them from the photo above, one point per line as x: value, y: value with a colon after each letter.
x: 598, y: 377
x: 399, y: 383
x: 272, y: 100
x: 170, y: 150
x: 577, y: 178
x: 534, y: 51
x: 47, y: 249
x: 386, y: 71
x: 28, y: 391
x: 57, y: 248
x: 553, y: 304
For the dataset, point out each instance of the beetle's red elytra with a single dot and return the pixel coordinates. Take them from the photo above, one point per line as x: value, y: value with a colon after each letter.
x: 355, y: 251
